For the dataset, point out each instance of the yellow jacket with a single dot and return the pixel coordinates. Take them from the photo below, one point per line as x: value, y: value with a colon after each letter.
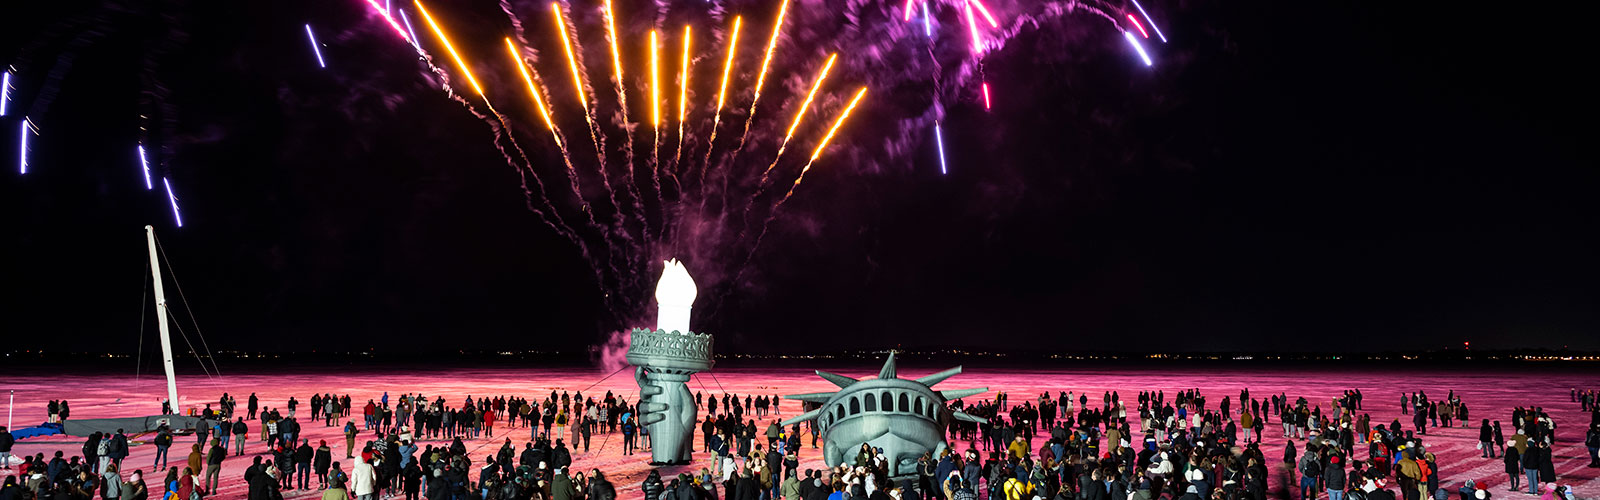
x: 1018, y: 490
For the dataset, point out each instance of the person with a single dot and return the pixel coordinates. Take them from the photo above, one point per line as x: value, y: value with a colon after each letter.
x: 1547, y: 465
x: 186, y: 486
x: 214, y: 465
x: 134, y: 488
x: 1532, y: 459
x: 110, y: 482
x: 561, y: 486
x: 363, y: 480
x: 1513, y: 463
x: 652, y: 487
x: 1590, y: 440
x: 197, y: 459
x: 628, y: 429
x: 413, y: 480
x: 336, y: 493
x: 240, y: 430
x: 163, y: 441
x: 322, y: 460
x: 264, y: 486
x: 599, y: 487
x: 1333, y: 478
x: 7, y: 441
x: 302, y: 464
x: 350, y: 438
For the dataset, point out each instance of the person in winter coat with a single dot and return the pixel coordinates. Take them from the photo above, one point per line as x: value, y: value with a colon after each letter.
x: 1532, y: 461
x: 320, y: 462
x: 364, y: 480
x: 561, y: 486
x: 1333, y: 478
x: 134, y: 488
x: 264, y: 486
x: 747, y: 488
x: 600, y: 488
x: 1591, y: 440
x: 1513, y: 466
x: 652, y: 486
x: 1547, y: 466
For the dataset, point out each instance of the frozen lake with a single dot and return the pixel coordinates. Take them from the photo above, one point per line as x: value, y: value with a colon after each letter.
x: 1489, y: 393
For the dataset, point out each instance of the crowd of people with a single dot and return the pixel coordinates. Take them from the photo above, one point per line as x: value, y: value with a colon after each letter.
x: 1184, y: 449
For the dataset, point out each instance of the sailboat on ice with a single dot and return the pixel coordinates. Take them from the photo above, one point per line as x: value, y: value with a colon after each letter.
x: 136, y: 424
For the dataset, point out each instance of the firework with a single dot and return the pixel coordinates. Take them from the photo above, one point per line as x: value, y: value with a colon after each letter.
x: 1136, y: 46
x: 572, y: 62
x: 927, y: 26
x: 766, y: 60
x: 972, y: 25
x: 761, y: 79
x: 622, y: 105
x: 1151, y: 21
x: 727, y: 66
x: 413, y: 40
x: 798, y: 116
x: 439, y: 32
x: 23, y: 149
x: 938, y: 137
x: 655, y: 106
x: 683, y: 92
x: 314, y: 49
x: 5, y: 92
x: 908, y: 8
x: 805, y: 105
x: 986, y: 104
x: 655, y: 82
x: 821, y: 146
x: 533, y: 90
x: 837, y: 122
x: 392, y: 23
x: 985, y: 12
x: 145, y: 162
x: 616, y: 52
x: 722, y: 94
x: 174, y: 200
x: 1136, y: 24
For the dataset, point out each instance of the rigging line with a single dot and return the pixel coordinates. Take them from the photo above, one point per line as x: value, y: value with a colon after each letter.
x: 603, y: 379
x: 179, y: 326
x: 138, y: 357
x: 188, y: 310
x: 719, y: 382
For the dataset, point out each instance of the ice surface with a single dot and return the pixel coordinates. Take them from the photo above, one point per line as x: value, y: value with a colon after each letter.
x: 1488, y: 392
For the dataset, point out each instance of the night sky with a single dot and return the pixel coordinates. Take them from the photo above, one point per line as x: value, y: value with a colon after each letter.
x: 1288, y: 176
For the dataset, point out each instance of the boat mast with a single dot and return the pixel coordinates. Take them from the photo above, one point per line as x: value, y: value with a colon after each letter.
x: 161, y: 320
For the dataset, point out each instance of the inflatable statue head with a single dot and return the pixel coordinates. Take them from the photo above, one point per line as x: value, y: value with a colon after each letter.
x: 904, y: 418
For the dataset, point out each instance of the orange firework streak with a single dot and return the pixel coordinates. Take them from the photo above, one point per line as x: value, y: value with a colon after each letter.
x: 772, y: 43
x: 577, y: 85
x: 683, y: 93
x: 655, y: 97
x: 572, y: 62
x: 448, y: 47
x: 533, y: 90
x: 761, y: 77
x: 655, y: 81
x: 824, y: 144
x: 801, y: 114
x: 616, y: 53
x: 722, y: 94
